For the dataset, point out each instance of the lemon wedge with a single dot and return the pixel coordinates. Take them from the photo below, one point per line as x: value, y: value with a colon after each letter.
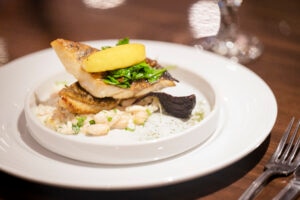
x: 116, y: 57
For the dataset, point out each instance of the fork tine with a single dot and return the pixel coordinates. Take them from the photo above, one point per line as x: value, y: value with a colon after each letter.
x: 290, y: 144
x: 280, y: 147
x: 296, y: 146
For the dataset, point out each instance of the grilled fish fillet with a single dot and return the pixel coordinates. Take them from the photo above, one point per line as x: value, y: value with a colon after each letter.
x: 78, y: 101
x: 71, y: 54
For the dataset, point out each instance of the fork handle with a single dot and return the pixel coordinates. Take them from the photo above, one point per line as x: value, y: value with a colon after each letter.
x: 257, y: 185
x: 291, y: 191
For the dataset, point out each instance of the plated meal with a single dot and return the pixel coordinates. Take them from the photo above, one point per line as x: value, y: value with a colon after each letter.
x: 117, y: 88
x: 122, y: 96
x: 221, y: 138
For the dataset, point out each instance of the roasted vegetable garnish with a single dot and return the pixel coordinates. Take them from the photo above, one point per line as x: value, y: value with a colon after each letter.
x: 117, y: 57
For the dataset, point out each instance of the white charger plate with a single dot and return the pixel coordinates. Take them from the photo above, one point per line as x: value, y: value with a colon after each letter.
x: 248, y: 113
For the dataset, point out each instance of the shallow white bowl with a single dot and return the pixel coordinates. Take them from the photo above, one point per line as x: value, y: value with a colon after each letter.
x: 123, y: 147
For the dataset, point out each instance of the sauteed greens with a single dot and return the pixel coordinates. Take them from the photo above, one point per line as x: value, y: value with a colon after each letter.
x: 124, y: 77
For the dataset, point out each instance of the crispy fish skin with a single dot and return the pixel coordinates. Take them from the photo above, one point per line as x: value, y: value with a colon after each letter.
x: 78, y: 101
x: 71, y: 54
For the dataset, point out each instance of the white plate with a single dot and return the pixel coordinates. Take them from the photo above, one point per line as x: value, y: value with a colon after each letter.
x: 248, y: 113
x: 159, y: 138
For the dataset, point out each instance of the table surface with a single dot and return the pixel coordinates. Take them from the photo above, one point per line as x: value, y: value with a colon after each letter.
x: 29, y: 26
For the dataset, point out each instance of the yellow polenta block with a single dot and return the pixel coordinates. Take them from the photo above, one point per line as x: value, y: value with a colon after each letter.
x: 115, y: 58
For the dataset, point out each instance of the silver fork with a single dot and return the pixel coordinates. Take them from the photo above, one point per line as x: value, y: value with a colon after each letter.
x: 283, y: 162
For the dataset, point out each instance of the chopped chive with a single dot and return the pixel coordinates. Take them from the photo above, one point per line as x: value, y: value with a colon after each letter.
x: 80, y: 122
x: 109, y: 118
x: 91, y: 122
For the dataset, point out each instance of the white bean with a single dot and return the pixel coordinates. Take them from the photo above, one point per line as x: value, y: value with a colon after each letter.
x: 97, y: 129
x: 109, y: 117
x: 135, y: 108
x: 100, y: 118
x: 140, y: 117
x: 122, y: 121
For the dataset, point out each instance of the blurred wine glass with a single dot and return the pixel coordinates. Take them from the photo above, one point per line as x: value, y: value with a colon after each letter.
x: 229, y: 41
x: 3, y: 52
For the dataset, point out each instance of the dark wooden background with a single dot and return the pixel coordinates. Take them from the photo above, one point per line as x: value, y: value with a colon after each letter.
x: 27, y: 26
